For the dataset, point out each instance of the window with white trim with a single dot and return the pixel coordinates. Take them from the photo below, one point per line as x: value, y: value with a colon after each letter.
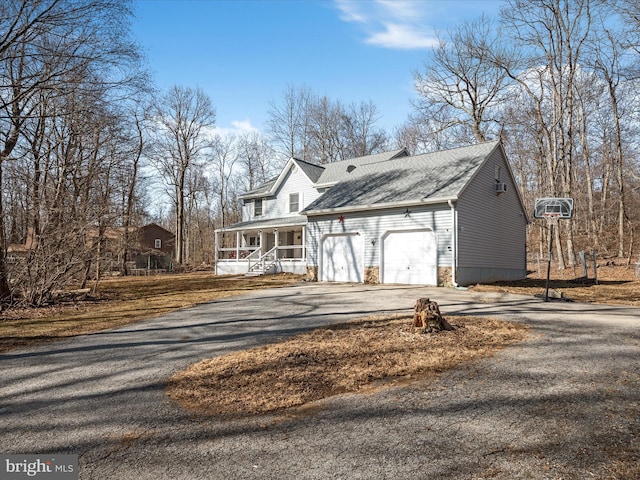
x: 294, y: 202
x: 498, y: 174
x: 257, y: 207
x: 158, y: 243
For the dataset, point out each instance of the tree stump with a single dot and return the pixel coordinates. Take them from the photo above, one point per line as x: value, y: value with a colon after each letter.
x: 428, y: 318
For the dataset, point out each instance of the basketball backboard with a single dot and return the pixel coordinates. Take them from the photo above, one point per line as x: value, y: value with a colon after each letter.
x: 561, y: 208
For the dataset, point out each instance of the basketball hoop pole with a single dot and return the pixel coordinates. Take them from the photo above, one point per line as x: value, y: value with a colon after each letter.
x: 546, y: 292
x: 552, y: 209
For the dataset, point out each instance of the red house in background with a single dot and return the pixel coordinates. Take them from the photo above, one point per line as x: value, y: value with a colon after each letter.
x: 148, y: 249
x: 151, y: 248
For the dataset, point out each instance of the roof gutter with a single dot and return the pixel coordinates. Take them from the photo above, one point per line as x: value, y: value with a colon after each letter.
x: 379, y: 206
x: 324, y: 185
x: 263, y: 225
x: 251, y: 196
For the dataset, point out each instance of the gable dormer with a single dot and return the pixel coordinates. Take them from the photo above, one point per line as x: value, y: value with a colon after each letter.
x: 286, y: 195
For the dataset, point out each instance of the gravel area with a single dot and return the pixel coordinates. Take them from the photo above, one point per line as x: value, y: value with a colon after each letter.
x: 563, y: 405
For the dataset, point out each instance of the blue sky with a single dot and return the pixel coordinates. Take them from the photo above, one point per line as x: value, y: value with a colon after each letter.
x: 244, y: 53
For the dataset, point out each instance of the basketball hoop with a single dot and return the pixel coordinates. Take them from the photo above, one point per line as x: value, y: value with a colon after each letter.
x: 552, y: 209
x: 561, y: 208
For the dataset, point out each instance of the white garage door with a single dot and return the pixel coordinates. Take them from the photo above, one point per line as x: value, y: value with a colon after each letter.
x: 410, y: 257
x: 343, y: 258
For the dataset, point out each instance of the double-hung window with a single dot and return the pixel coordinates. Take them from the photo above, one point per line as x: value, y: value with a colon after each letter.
x: 257, y: 207
x: 294, y: 202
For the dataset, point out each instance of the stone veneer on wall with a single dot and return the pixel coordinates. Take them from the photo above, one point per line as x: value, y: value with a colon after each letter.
x: 312, y: 274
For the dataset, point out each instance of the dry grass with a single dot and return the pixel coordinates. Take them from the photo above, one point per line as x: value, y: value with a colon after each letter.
x: 343, y: 358
x: 616, y: 285
x: 126, y: 300
x: 123, y: 301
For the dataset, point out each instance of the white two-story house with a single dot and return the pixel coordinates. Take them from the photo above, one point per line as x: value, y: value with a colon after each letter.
x: 272, y: 236
x: 448, y: 217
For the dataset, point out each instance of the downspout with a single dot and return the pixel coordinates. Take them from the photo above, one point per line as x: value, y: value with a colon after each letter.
x: 454, y: 242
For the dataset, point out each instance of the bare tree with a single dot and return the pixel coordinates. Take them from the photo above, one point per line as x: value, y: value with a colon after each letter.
x: 629, y: 13
x: 137, y: 117
x: 257, y: 158
x: 223, y: 157
x: 554, y: 34
x: 326, y: 138
x: 609, y: 63
x: 460, y: 85
x: 52, y: 53
x: 359, y: 127
x: 289, y: 122
x: 184, y: 117
x: 198, y: 185
x: 320, y: 129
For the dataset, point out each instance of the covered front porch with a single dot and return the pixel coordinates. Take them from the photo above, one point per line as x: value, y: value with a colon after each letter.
x: 262, y: 247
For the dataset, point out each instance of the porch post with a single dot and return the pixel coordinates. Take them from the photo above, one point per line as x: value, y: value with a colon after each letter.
x: 275, y: 232
x: 216, y: 245
x: 237, y: 246
x: 304, y: 242
x: 261, y: 235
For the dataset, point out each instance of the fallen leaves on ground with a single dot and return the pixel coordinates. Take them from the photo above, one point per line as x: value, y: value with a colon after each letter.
x: 349, y: 357
x: 616, y: 284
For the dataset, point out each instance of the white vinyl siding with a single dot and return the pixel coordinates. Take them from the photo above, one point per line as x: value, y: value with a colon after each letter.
x: 375, y: 224
x: 247, y: 210
x: 279, y: 205
x: 295, y: 182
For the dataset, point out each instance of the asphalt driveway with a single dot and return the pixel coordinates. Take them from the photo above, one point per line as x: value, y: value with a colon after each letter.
x: 565, y: 404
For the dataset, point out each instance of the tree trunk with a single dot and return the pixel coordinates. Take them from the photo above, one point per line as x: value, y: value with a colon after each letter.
x: 428, y: 318
x: 5, y: 291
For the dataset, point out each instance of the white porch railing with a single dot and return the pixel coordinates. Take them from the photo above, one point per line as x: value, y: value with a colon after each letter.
x: 255, y: 255
x: 285, y: 253
x: 263, y: 263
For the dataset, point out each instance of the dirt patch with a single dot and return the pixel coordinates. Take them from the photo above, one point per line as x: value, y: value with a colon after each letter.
x: 350, y: 357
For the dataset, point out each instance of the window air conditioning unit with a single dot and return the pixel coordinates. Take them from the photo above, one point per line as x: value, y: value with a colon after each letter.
x: 501, y: 187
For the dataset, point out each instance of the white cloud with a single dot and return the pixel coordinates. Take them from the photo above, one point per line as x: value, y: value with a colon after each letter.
x: 400, y: 37
x: 349, y: 11
x: 396, y: 24
x: 237, y: 128
x: 243, y: 125
x: 403, y: 10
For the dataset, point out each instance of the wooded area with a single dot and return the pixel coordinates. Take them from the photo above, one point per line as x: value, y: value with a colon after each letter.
x: 86, y: 143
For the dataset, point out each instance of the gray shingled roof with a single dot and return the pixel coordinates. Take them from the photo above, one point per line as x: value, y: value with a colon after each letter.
x: 335, y: 172
x: 290, y: 221
x: 262, y: 189
x: 432, y: 176
x: 312, y: 170
x: 329, y: 173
